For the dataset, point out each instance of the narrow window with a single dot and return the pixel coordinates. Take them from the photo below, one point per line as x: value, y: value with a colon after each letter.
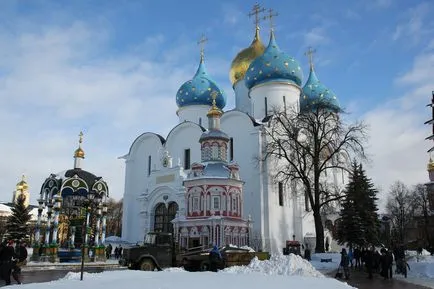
x: 284, y: 103
x: 149, y: 165
x: 231, y: 149
x: 195, y: 204
x: 200, y: 121
x: 306, y: 202
x: 279, y: 144
x: 186, y: 159
x: 216, y: 203
x: 280, y: 194
x: 266, y: 106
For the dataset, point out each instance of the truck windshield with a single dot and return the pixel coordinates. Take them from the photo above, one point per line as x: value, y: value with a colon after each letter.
x: 150, y: 239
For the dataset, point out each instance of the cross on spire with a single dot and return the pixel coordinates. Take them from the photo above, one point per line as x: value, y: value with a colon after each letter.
x: 256, y: 10
x: 80, y: 137
x: 201, y: 43
x: 309, y: 53
x: 270, y: 16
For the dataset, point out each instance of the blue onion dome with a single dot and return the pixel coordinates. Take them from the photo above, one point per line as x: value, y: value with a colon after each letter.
x: 317, y: 94
x: 197, y: 91
x: 273, y: 65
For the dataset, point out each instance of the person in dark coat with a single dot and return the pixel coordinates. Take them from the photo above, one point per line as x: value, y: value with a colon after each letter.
x: 215, y: 257
x: 21, y: 260
x: 7, y: 253
x: 369, y: 261
x: 345, y: 262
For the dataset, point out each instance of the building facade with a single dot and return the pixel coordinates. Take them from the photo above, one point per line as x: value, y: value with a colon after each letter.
x: 161, y: 183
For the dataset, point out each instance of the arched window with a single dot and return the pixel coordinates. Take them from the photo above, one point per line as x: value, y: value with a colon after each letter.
x: 163, y: 216
x: 160, y: 220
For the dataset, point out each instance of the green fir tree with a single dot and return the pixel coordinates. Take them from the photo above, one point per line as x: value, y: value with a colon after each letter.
x: 17, y: 225
x: 359, y: 224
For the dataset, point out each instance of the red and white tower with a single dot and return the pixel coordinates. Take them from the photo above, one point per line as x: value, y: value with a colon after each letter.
x: 213, y: 194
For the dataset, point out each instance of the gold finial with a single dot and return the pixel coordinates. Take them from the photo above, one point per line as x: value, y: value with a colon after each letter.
x: 201, y: 43
x: 214, y: 110
x: 256, y: 10
x: 309, y: 53
x: 270, y: 16
x: 79, y: 153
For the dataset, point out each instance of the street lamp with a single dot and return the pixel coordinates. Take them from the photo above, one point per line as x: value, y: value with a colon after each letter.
x: 87, y: 204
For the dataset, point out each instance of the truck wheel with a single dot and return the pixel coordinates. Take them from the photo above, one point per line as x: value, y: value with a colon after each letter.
x: 204, y: 266
x: 147, y: 265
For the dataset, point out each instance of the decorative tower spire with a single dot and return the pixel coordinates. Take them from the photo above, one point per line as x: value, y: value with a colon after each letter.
x: 214, y: 113
x: 21, y: 191
x: 79, y: 153
x: 202, y: 41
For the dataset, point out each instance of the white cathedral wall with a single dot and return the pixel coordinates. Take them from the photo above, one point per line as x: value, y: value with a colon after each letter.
x: 279, y: 95
x: 184, y: 136
x: 242, y: 99
x: 136, y: 178
x: 194, y: 113
x: 246, y: 152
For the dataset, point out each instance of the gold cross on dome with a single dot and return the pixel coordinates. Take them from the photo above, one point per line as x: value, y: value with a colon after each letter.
x: 201, y: 43
x: 309, y: 53
x: 256, y: 10
x: 214, y: 97
x: 270, y: 16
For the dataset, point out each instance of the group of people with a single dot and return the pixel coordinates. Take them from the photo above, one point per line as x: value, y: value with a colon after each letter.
x: 117, y: 253
x: 374, y: 261
x: 12, y: 258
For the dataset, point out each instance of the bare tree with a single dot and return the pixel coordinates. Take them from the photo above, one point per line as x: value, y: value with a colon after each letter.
x: 114, y: 217
x: 421, y: 205
x: 306, y: 146
x: 400, y: 207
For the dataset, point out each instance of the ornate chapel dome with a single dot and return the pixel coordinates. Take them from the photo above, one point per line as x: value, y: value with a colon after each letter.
x: 273, y: 65
x: 241, y: 62
x: 197, y: 91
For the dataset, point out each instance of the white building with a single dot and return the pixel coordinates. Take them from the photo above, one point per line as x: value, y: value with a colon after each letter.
x: 158, y: 168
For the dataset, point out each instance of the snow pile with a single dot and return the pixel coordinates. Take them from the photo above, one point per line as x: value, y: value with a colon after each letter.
x: 232, y: 246
x: 278, y: 265
x: 174, y: 269
x: 76, y: 275
x: 422, y: 269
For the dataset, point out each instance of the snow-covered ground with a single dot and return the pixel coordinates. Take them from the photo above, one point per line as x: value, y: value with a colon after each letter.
x: 278, y: 272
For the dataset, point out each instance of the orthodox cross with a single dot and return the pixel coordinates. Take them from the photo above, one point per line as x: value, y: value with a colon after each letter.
x: 201, y: 43
x: 214, y: 97
x: 80, y: 135
x: 309, y: 53
x: 270, y: 16
x: 256, y: 10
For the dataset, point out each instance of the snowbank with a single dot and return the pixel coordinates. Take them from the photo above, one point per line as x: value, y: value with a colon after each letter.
x: 290, y: 265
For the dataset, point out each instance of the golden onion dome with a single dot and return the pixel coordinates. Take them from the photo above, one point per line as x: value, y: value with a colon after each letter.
x: 79, y: 153
x: 22, y: 185
x: 430, y: 166
x: 241, y: 62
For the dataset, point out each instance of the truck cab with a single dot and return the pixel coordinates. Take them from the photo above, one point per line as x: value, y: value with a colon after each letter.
x: 157, y: 252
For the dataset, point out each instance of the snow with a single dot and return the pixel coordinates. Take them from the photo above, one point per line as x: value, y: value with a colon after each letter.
x: 278, y: 272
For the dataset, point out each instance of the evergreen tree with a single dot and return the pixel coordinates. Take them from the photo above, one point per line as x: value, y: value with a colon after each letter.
x: 17, y: 225
x: 359, y: 224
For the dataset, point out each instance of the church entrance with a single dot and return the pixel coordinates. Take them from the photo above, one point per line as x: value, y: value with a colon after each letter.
x: 163, y: 215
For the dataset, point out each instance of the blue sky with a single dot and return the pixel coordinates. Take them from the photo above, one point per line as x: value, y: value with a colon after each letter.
x: 112, y: 69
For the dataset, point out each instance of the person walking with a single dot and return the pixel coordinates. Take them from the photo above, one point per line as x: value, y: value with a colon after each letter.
x: 6, y: 255
x: 215, y: 257
x: 21, y: 260
x: 369, y: 261
x: 108, y: 251
x: 345, y: 262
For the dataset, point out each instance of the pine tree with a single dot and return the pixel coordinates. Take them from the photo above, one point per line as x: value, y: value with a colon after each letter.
x: 17, y: 225
x: 359, y: 224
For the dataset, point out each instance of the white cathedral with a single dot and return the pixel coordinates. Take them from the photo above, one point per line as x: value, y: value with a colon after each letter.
x: 204, y: 181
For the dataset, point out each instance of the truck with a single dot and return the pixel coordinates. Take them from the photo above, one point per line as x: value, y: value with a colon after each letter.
x: 159, y: 251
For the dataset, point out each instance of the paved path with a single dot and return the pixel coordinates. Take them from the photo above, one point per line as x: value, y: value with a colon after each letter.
x: 360, y: 280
